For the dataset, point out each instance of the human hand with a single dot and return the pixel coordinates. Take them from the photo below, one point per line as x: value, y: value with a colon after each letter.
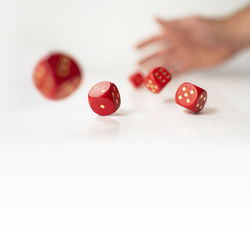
x: 190, y: 43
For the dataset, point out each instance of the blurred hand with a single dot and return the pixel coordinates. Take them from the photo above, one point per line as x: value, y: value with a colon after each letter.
x: 189, y: 43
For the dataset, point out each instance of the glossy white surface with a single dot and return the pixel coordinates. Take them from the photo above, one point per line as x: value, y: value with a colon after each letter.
x: 147, y: 127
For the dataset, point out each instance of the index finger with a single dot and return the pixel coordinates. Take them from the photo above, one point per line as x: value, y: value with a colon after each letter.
x: 150, y: 40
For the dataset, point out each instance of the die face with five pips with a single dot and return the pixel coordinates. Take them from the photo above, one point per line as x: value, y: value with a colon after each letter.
x: 57, y: 76
x: 157, y: 79
x: 104, y: 98
x: 191, y: 97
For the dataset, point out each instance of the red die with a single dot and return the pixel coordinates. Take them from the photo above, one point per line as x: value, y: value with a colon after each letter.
x: 57, y: 76
x: 104, y: 98
x: 157, y: 79
x: 191, y: 97
x: 137, y: 79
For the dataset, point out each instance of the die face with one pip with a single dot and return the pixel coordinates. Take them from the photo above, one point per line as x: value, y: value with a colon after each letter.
x: 191, y: 97
x: 104, y: 98
x: 137, y: 79
x: 57, y: 76
x: 157, y: 79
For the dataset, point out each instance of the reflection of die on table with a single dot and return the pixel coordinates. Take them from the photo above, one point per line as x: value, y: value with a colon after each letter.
x: 157, y: 79
x: 57, y: 76
x: 191, y: 97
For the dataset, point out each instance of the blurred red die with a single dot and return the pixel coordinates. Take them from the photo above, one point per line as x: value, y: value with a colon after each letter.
x: 57, y: 76
x: 137, y: 79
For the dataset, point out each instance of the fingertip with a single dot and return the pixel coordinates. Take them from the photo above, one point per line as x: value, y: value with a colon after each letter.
x: 159, y: 20
x: 138, y: 46
x: 143, y: 61
x: 141, y: 45
x: 140, y: 62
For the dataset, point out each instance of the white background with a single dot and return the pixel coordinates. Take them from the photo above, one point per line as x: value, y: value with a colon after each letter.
x: 151, y: 176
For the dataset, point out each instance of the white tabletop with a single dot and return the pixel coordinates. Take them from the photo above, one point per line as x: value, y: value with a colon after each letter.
x: 148, y: 129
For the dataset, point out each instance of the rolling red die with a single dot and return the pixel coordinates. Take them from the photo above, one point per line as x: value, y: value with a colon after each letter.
x: 57, y: 76
x: 137, y: 79
x: 157, y: 79
x: 104, y: 98
x: 191, y: 97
